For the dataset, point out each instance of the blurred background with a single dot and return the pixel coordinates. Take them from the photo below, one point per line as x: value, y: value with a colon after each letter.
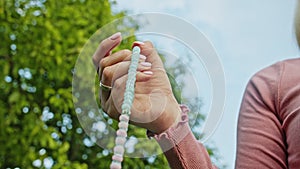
x: 40, y: 41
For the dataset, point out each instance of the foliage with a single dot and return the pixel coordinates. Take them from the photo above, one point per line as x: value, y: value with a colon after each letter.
x: 40, y: 42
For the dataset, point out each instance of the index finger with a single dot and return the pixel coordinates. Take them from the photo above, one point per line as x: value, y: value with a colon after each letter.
x: 105, y: 48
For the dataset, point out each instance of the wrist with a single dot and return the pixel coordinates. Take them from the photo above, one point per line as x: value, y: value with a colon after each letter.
x: 169, y: 118
x: 174, y: 134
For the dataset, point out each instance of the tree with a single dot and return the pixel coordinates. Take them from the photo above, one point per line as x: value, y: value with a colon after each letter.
x: 40, y: 42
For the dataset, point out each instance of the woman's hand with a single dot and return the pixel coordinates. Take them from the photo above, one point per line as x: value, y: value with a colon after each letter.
x: 154, y: 106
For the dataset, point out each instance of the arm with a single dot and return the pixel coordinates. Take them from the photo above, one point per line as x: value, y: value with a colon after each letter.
x: 260, y: 141
x: 289, y: 110
x: 181, y: 148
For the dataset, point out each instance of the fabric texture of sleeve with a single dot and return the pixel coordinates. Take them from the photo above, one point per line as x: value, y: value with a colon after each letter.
x: 268, y: 125
x: 181, y: 148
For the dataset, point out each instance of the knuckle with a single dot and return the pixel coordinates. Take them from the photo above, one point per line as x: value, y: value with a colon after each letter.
x: 149, y: 43
x: 103, y: 63
x: 125, y: 52
x: 106, y: 73
x: 118, y: 83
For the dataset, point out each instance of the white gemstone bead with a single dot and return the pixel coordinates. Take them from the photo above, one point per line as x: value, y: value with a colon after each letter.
x: 117, y: 157
x: 119, y: 150
x: 123, y: 125
x: 121, y: 133
x: 120, y: 140
x: 124, y: 118
x: 115, y: 165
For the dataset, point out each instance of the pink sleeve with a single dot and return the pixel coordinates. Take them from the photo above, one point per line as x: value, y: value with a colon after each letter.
x: 268, y: 125
x: 181, y: 148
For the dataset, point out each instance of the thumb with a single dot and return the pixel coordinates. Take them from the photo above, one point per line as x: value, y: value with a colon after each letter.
x: 148, y: 50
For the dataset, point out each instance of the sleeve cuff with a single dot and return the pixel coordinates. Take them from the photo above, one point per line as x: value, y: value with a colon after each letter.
x: 175, y: 134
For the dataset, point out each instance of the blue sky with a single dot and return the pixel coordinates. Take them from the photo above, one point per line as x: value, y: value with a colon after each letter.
x: 248, y: 36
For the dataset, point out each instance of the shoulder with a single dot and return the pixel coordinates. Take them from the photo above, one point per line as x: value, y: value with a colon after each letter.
x: 290, y: 71
x: 274, y: 73
x: 268, y: 85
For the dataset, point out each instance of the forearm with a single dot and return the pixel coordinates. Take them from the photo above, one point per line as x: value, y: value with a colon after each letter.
x: 181, y: 148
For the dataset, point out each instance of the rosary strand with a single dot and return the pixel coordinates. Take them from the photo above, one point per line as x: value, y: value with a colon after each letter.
x: 120, y: 140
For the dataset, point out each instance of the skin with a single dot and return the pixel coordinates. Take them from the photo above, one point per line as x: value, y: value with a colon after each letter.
x: 154, y: 106
x: 113, y: 69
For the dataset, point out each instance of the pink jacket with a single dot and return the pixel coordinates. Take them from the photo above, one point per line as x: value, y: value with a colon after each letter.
x: 268, y: 125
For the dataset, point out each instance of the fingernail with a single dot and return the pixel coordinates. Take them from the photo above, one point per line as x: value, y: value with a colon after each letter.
x: 146, y: 64
x: 143, y: 57
x: 148, y: 72
x: 115, y: 36
x: 137, y: 43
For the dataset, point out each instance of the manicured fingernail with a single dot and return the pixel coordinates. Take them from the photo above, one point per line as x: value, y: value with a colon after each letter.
x: 146, y: 64
x: 148, y: 72
x: 137, y: 43
x: 143, y: 57
x: 115, y: 36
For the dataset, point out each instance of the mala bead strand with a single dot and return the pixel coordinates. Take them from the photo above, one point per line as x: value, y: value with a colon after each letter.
x: 120, y: 140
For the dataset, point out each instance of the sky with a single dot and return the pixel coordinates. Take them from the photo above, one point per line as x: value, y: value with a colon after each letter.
x: 247, y: 35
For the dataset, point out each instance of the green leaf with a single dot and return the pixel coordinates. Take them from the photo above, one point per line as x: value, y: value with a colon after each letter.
x: 14, y: 97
